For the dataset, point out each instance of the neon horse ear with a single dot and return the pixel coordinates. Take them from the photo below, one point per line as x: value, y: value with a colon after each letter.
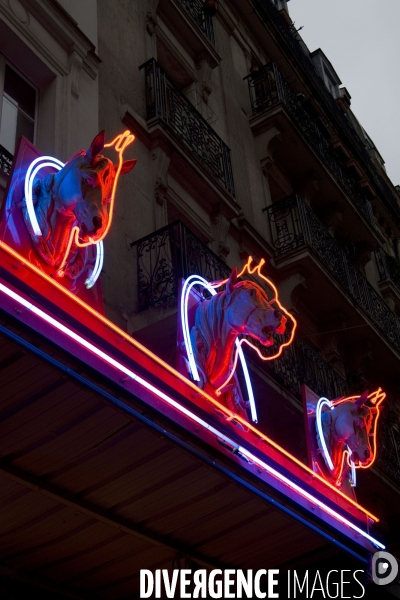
x: 127, y: 166
x: 231, y: 282
x: 96, y: 146
x: 362, y: 399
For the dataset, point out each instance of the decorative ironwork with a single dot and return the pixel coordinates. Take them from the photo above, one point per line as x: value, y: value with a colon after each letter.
x: 388, y: 457
x: 389, y: 267
x: 268, y: 11
x: 166, y: 102
x: 169, y: 254
x: 196, y: 9
x: 300, y: 363
x: 6, y: 159
x: 295, y: 225
x: 267, y: 88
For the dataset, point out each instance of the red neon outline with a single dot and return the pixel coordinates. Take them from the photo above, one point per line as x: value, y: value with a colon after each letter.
x: 182, y: 378
x: 376, y: 398
x: 257, y: 269
x: 120, y: 142
x: 345, y: 455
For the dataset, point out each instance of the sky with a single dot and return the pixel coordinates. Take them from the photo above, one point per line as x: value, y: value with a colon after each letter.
x: 361, y: 39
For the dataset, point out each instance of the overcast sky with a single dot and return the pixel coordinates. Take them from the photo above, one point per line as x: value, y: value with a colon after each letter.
x: 361, y: 39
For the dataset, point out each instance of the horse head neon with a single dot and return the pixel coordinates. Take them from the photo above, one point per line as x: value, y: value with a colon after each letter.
x: 242, y: 308
x: 346, y: 432
x: 71, y: 209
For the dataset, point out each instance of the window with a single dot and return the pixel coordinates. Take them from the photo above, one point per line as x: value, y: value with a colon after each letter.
x: 331, y: 83
x: 18, y: 106
x: 281, y: 4
x: 326, y: 72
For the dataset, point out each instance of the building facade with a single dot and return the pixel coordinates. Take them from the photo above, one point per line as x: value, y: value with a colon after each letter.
x: 246, y: 146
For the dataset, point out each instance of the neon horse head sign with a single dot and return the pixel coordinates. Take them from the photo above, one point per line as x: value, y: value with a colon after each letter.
x: 71, y: 209
x: 213, y: 346
x: 346, y: 432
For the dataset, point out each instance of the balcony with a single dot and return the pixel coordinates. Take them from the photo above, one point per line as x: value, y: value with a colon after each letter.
x: 388, y: 458
x: 295, y: 226
x: 167, y: 103
x: 389, y: 278
x: 270, y: 14
x: 167, y: 255
x: 389, y: 268
x: 301, y: 364
x: 268, y: 89
x: 6, y: 159
x: 195, y: 9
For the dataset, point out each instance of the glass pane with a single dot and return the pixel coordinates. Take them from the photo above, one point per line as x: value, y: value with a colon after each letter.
x: 24, y: 127
x: 8, y: 126
x: 20, y: 91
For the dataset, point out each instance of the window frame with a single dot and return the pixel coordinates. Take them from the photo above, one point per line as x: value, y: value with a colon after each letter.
x: 5, y: 62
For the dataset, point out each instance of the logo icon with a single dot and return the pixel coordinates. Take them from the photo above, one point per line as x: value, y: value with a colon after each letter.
x: 384, y: 568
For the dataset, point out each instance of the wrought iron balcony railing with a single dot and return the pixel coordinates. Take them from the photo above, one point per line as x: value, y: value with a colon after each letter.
x: 389, y: 267
x: 167, y: 255
x: 196, y: 9
x: 388, y: 457
x: 6, y: 159
x: 268, y: 11
x: 267, y: 88
x: 299, y: 364
x: 166, y: 102
x: 295, y: 225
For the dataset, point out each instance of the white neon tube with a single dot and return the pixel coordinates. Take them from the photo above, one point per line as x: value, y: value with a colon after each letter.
x: 238, y: 449
x: 353, y: 472
x: 185, y: 324
x: 318, y: 414
x: 249, y: 387
x: 309, y: 496
x: 91, y: 280
x: 323, y: 402
x: 46, y: 161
